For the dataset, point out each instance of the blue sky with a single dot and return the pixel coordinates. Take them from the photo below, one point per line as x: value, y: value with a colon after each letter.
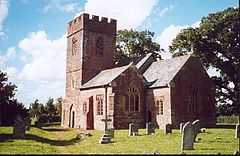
x: 33, y: 42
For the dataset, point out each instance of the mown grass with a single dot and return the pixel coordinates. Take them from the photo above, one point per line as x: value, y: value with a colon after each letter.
x: 56, y: 140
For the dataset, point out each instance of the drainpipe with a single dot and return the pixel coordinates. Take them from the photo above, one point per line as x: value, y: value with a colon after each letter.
x: 105, y: 107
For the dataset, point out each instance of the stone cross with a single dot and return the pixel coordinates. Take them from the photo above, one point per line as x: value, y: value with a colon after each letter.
x: 168, y: 129
x: 196, y: 128
x: 133, y: 129
x: 19, y: 127
x: 187, y: 137
x: 150, y: 128
x: 237, y: 131
x: 106, y: 121
x: 108, y: 133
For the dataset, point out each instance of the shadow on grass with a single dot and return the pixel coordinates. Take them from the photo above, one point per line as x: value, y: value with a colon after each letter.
x: 54, y: 129
x: 9, y: 137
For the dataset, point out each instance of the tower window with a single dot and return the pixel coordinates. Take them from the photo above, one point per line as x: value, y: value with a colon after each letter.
x: 74, y: 46
x: 99, y: 46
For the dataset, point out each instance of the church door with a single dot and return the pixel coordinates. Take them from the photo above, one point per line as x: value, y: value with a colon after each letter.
x: 73, y: 118
x: 90, y: 114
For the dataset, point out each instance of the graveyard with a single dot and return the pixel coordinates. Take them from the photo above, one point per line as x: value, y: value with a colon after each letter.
x: 52, y: 139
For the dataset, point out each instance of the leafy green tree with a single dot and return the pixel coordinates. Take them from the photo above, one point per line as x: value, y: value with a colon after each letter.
x: 9, y: 106
x: 133, y: 44
x: 50, y: 107
x: 216, y: 42
x: 35, y: 109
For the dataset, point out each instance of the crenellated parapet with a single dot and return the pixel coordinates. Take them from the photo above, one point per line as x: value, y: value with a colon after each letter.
x: 93, y: 24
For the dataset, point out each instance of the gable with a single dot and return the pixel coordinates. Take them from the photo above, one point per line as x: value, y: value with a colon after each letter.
x: 160, y: 73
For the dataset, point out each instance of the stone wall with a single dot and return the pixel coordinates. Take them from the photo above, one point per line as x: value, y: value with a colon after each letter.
x: 192, y: 79
x: 122, y: 115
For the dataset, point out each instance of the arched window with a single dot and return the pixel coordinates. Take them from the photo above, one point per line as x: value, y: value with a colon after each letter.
x: 85, y: 107
x: 74, y: 46
x: 99, y: 99
x: 133, y: 99
x: 159, y: 100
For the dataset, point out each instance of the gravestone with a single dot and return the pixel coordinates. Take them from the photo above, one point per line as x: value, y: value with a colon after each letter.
x: 196, y: 128
x: 28, y: 123
x: 110, y: 131
x: 168, y: 129
x: 181, y: 127
x: 187, y: 137
x: 237, y: 131
x: 106, y: 138
x: 19, y: 127
x: 150, y: 128
x: 133, y: 129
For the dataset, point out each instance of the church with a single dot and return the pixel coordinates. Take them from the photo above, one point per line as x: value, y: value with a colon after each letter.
x: 150, y: 90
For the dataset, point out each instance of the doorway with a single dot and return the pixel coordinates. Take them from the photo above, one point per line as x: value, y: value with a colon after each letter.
x: 90, y: 122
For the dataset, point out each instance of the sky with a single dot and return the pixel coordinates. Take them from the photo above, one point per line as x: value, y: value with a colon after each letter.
x: 33, y: 34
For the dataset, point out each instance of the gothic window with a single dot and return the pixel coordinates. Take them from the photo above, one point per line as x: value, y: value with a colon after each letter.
x: 133, y: 100
x: 99, y: 99
x: 74, y: 46
x: 99, y: 46
x: 84, y: 107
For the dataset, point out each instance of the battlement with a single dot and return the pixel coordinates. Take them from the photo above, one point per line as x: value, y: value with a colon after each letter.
x: 92, y: 24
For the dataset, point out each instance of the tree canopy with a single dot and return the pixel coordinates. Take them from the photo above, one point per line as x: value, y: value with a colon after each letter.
x: 132, y: 44
x: 216, y: 42
x: 9, y: 106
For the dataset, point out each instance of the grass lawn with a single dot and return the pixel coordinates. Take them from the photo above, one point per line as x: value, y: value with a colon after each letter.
x: 55, y: 140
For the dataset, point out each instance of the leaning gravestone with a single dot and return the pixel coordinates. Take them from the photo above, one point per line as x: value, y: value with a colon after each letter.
x: 187, y: 137
x: 19, y: 127
x: 196, y: 128
x: 150, y: 128
x: 133, y: 129
x: 181, y: 127
x: 237, y: 131
x: 168, y: 128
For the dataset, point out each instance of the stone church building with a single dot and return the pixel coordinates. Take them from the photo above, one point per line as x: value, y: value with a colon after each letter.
x: 150, y: 90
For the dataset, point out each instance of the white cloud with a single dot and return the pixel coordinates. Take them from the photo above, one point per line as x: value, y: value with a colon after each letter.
x: 168, y: 34
x: 3, y: 14
x: 60, y: 5
x: 165, y: 10
x: 9, y: 55
x: 48, y: 57
x: 129, y: 14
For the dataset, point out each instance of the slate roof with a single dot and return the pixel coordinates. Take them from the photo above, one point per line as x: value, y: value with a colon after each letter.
x: 156, y: 74
x: 143, y: 60
x: 160, y: 73
x: 105, y: 77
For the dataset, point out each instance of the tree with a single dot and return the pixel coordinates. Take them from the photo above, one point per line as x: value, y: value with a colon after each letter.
x: 58, y: 106
x: 50, y: 108
x: 9, y: 106
x: 133, y: 44
x: 216, y: 42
